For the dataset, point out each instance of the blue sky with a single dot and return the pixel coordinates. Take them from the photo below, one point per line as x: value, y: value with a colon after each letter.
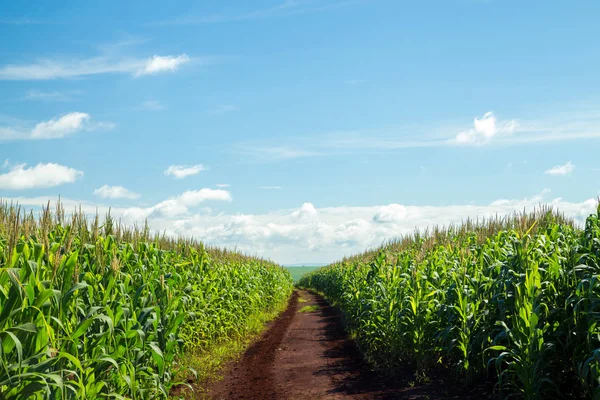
x: 300, y: 130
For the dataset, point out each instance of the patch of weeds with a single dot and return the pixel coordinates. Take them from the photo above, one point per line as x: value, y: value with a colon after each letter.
x: 309, y: 308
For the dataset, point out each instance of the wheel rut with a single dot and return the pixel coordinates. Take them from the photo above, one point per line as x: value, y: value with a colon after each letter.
x: 307, y: 355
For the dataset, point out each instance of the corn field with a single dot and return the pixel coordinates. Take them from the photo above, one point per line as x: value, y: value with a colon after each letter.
x: 515, y: 301
x: 92, y: 309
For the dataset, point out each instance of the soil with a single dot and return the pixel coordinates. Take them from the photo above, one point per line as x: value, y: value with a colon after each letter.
x: 307, y: 355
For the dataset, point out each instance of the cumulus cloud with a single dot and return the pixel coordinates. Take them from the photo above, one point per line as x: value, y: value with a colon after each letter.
x: 311, y: 234
x: 181, y: 204
x: 354, y: 233
x: 183, y: 171
x: 115, y: 192
x: 391, y: 213
x: 485, y: 129
x: 157, y: 64
x: 305, y: 213
x: 48, y: 175
x: 55, y: 128
x: 565, y: 169
x: 223, y: 185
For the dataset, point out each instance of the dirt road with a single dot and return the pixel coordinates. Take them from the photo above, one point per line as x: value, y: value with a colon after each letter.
x: 306, y: 355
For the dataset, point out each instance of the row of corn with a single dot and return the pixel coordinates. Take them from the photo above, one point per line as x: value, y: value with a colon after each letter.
x: 94, y: 310
x: 517, y: 307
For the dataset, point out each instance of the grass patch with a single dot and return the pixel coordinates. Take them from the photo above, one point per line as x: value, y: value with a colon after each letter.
x: 299, y: 272
x: 309, y: 308
x: 302, y: 300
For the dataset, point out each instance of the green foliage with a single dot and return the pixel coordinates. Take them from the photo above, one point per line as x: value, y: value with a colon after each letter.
x: 95, y: 311
x: 309, y: 309
x: 516, y: 302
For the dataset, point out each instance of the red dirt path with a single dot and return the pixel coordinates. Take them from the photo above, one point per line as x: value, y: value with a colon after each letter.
x: 308, y: 356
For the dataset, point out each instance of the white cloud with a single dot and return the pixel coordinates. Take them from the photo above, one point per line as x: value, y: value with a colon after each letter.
x: 223, y: 185
x: 308, y: 233
x: 354, y: 232
x: 307, y: 212
x: 55, y: 128
x: 151, y: 105
x: 181, y: 204
x: 391, y: 213
x: 157, y: 64
x: 270, y: 187
x: 485, y: 129
x: 183, y: 171
x: 60, y: 127
x: 71, y: 68
x: 115, y: 192
x: 565, y: 169
x: 41, y: 176
x: 195, y: 197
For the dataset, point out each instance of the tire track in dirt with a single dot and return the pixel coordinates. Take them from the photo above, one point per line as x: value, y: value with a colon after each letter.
x: 307, y: 355
x: 251, y: 377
